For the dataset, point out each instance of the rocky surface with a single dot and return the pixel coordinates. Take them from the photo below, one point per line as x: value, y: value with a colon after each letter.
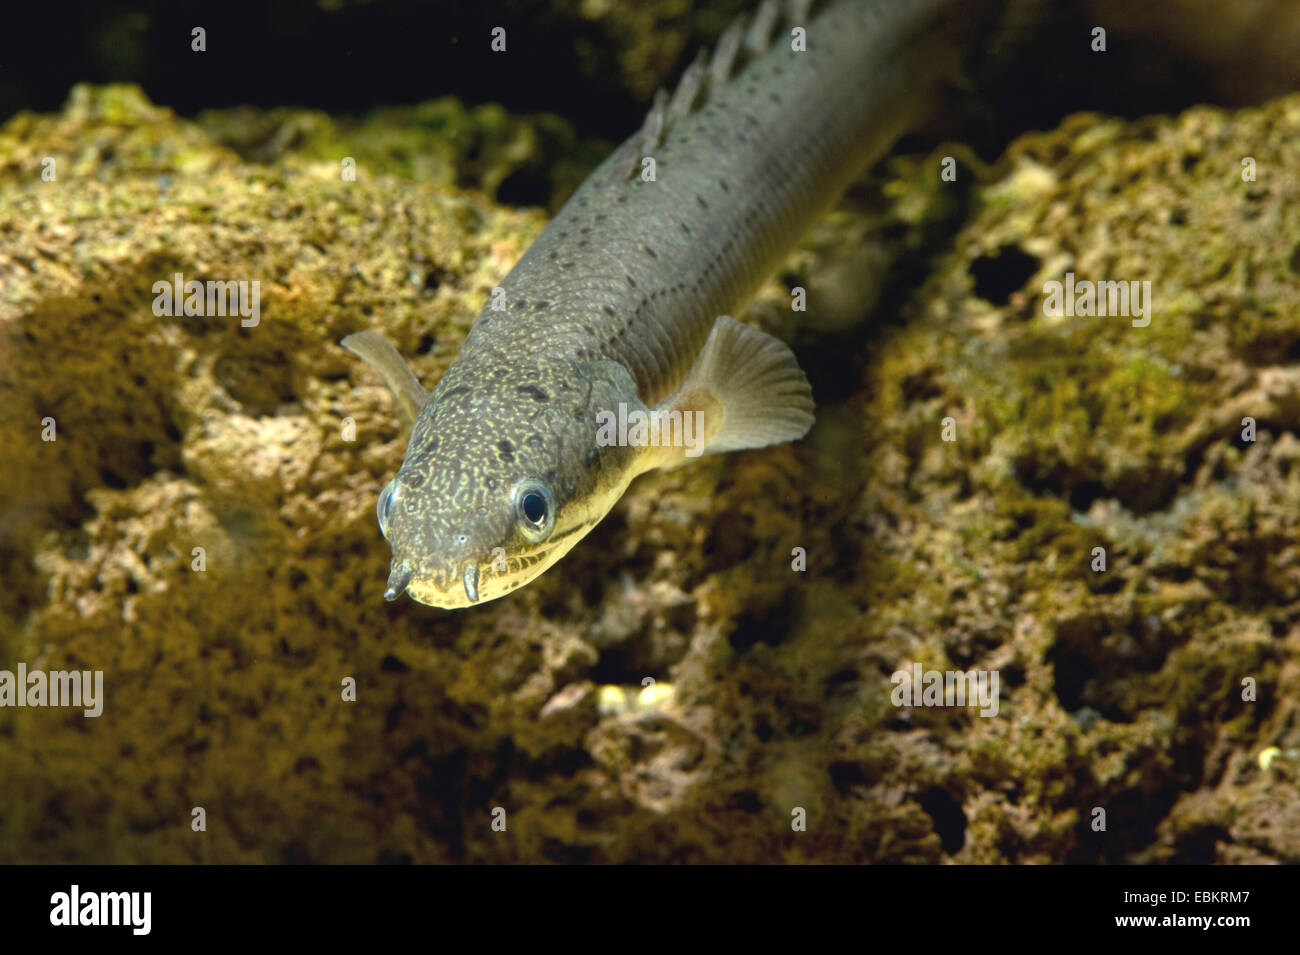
x: 1121, y: 690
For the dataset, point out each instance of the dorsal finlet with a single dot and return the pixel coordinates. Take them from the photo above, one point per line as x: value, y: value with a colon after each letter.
x: 745, y: 39
x: 760, y: 31
x: 796, y: 13
x: 688, y: 89
x: 652, y: 130
x: 724, y: 57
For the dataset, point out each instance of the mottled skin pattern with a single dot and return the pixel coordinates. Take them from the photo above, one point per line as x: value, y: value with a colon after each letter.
x: 635, y: 272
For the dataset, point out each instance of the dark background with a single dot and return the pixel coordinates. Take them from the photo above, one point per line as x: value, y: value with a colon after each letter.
x: 346, y: 56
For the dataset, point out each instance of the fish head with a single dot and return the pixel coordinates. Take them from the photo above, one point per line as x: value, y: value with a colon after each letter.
x: 503, y: 474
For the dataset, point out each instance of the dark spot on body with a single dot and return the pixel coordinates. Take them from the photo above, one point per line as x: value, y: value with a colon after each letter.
x: 533, y: 392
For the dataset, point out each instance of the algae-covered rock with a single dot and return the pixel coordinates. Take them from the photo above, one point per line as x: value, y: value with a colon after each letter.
x: 678, y: 689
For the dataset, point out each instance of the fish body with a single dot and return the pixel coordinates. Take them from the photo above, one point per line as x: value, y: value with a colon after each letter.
x: 621, y: 306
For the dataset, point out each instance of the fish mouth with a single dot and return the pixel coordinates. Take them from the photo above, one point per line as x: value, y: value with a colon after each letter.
x: 475, y: 584
x: 478, y: 582
x: 448, y: 591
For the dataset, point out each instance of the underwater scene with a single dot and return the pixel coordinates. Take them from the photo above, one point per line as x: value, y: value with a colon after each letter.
x: 651, y: 431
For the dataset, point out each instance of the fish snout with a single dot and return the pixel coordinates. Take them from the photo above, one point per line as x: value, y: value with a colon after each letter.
x: 399, y: 576
x: 456, y: 585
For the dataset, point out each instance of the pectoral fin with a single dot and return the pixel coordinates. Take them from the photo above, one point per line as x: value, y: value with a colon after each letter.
x: 376, y: 350
x: 745, y: 390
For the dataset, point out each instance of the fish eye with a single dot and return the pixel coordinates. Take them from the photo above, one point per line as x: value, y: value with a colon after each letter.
x: 535, y: 508
x: 381, y: 507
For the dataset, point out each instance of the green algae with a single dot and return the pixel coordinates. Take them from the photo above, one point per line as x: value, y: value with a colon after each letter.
x: 440, y: 142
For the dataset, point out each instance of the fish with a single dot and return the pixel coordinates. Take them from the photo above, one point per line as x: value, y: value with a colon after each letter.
x: 615, y: 327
